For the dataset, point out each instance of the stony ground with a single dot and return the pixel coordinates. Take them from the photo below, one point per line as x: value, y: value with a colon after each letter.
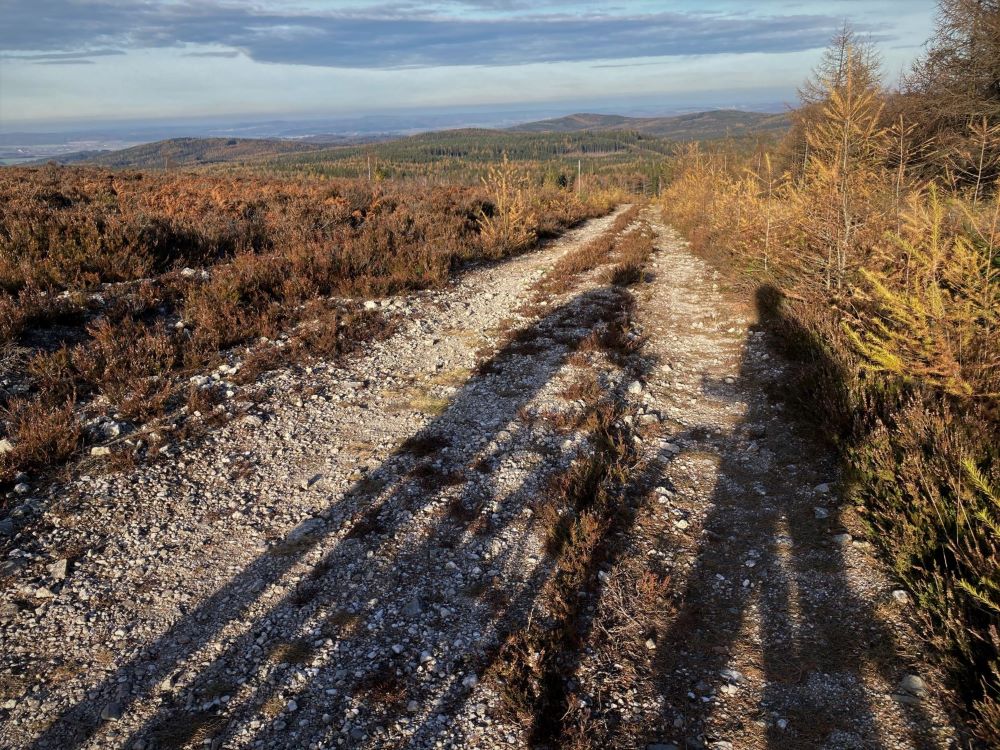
x: 349, y: 562
x: 785, y: 631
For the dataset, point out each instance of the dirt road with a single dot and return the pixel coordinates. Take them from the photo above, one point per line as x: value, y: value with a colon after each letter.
x: 367, y: 558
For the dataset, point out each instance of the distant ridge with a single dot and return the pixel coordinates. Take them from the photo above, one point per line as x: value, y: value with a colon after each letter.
x: 190, y: 152
x: 180, y: 152
x: 695, y: 126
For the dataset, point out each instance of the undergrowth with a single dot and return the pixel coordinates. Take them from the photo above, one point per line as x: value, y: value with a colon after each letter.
x: 116, y: 287
x: 886, y: 288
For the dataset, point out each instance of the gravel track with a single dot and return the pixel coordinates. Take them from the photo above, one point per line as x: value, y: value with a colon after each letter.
x: 787, y: 632
x: 307, y: 549
x: 340, y: 566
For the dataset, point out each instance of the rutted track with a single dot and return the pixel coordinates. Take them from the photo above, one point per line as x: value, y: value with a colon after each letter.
x: 781, y: 627
x: 317, y: 548
x: 515, y: 522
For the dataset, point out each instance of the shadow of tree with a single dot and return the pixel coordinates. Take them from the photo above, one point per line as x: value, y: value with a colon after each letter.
x: 423, y: 524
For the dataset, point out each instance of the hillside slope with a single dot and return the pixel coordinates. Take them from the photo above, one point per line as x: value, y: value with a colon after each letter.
x: 533, y: 140
x: 694, y: 126
x: 189, y: 151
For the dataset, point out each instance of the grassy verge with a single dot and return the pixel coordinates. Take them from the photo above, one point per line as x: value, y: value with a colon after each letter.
x: 585, y: 515
x: 571, y: 266
x: 893, y: 333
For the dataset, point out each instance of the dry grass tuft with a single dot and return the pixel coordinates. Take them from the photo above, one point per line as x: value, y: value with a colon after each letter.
x: 187, y: 730
x: 428, y: 404
x: 383, y: 687
x: 291, y: 652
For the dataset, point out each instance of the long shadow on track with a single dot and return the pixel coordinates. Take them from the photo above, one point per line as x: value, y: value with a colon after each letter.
x: 378, y: 513
x: 817, y: 637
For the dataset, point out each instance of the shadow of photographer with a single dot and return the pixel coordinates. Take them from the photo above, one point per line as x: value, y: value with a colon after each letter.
x: 773, y: 574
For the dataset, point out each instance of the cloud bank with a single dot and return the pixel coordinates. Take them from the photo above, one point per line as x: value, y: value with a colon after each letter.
x: 396, y: 35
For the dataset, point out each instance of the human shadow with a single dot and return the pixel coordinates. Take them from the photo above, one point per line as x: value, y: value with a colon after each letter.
x: 416, y: 534
x: 773, y: 568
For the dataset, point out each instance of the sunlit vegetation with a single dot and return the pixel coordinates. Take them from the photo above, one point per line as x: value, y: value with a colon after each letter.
x: 578, y: 161
x: 873, y: 234
x: 117, y: 286
x: 510, y: 226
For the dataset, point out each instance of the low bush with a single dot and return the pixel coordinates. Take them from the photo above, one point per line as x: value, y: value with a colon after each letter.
x: 116, y: 286
x: 886, y: 290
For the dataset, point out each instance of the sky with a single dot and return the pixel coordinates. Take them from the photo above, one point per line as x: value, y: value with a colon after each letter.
x: 78, y: 61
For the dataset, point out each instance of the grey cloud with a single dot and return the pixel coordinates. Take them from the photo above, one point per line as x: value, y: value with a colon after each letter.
x: 227, y: 54
x: 406, y: 38
x: 54, y: 58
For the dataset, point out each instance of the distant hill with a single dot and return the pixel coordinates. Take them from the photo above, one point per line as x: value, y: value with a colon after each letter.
x: 535, y: 140
x: 577, y: 122
x: 179, y: 152
x: 696, y: 126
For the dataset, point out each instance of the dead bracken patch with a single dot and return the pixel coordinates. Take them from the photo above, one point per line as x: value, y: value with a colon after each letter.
x: 187, y: 729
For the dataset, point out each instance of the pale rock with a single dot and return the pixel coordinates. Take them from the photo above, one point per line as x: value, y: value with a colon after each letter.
x: 58, y: 569
x: 913, y: 685
x: 731, y: 675
x: 306, y: 528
